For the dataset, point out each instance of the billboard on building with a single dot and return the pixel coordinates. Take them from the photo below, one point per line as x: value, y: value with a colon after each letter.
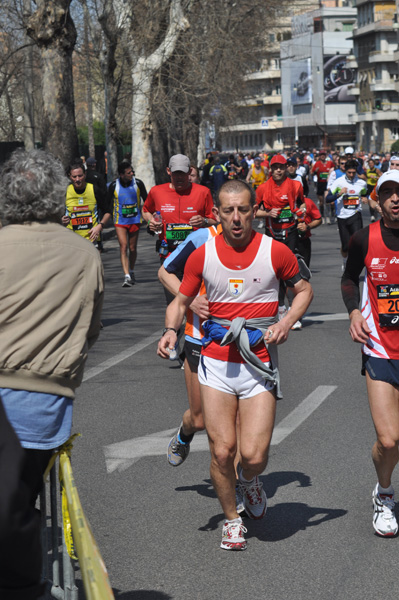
x: 337, y: 77
x: 301, y: 81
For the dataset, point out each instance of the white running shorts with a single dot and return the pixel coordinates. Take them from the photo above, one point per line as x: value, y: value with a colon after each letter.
x: 238, y: 379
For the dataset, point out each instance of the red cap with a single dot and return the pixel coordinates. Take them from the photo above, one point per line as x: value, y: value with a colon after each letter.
x: 278, y: 159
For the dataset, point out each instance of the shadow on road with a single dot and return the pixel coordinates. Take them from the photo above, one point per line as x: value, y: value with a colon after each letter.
x: 141, y: 595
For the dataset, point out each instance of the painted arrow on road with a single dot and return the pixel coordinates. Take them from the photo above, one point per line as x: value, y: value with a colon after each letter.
x: 122, y: 455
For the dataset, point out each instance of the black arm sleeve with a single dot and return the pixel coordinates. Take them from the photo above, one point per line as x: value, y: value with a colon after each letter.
x: 358, y: 248
x: 143, y: 191
x: 102, y: 199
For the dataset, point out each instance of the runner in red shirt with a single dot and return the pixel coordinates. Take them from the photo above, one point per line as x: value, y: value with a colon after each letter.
x: 376, y: 327
x: 183, y: 206
x: 280, y: 196
x: 241, y: 271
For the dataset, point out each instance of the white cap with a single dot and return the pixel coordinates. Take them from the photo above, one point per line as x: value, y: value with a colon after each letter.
x: 388, y: 176
x: 349, y: 150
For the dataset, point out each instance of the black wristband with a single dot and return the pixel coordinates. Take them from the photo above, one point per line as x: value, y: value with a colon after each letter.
x: 102, y: 225
x: 169, y: 329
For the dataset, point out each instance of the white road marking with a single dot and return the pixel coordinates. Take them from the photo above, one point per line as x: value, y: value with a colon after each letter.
x: 108, y: 364
x: 111, y: 362
x: 301, y: 413
x: 326, y: 317
x: 122, y: 455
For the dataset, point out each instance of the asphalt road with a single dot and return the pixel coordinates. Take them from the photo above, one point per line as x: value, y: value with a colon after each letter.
x: 159, y: 528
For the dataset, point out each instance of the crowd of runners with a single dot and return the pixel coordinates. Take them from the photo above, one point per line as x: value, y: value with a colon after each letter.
x: 233, y: 240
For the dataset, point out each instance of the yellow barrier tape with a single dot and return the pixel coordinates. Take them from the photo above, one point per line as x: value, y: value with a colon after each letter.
x: 66, y: 447
x: 94, y: 573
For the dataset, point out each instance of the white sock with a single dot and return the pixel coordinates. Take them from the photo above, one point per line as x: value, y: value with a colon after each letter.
x: 243, y: 480
x: 388, y: 490
x: 234, y: 521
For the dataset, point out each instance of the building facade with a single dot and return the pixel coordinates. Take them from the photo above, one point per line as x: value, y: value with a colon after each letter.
x: 316, y: 77
x: 258, y: 121
x: 375, y: 57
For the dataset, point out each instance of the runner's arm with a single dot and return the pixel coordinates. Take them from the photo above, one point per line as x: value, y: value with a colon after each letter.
x: 350, y: 286
x: 303, y: 295
x: 173, y: 320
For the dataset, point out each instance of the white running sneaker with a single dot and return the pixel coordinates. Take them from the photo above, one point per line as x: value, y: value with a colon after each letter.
x: 254, y: 497
x: 384, y: 520
x: 297, y: 325
x: 127, y: 281
x: 233, y: 535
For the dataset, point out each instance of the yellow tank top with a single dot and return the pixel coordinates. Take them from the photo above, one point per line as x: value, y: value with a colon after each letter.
x: 82, y: 210
x: 257, y: 178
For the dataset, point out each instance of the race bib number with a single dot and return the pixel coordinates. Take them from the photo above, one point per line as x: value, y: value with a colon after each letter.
x: 129, y: 210
x: 323, y: 176
x: 350, y: 201
x: 176, y: 233
x: 81, y: 218
x: 286, y: 215
x: 388, y: 305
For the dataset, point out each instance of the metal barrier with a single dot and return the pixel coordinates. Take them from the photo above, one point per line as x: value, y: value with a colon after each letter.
x: 74, y: 527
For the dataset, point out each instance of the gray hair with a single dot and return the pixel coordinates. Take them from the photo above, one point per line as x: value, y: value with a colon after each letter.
x: 33, y: 186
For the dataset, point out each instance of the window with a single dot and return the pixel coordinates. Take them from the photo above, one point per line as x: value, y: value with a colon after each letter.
x: 347, y: 26
x: 272, y: 38
x: 395, y: 133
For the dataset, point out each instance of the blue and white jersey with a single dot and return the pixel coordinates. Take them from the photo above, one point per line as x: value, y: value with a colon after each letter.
x: 126, y: 203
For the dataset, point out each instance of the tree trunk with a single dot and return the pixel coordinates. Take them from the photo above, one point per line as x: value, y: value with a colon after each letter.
x: 89, y: 93
x: 143, y: 71
x: 52, y: 28
x: 141, y: 130
x: 29, y: 123
x: 111, y: 88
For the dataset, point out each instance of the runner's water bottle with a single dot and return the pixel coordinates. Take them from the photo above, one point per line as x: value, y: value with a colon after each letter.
x: 158, y: 221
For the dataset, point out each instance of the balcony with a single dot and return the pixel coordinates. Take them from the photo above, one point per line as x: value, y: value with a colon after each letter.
x: 258, y: 75
x: 383, y: 86
x: 376, y: 115
x: 382, y: 25
x: 260, y: 100
x: 376, y: 56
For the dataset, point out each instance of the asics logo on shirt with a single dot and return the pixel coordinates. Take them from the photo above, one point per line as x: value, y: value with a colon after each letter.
x: 394, y: 261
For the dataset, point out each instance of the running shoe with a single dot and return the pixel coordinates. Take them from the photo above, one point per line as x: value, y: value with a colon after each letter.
x: 177, y: 450
x: 233, y: 535
x: 254, y: 497
x: 239, y: 500
x: 384, y: 520
x: 132, y: 277
x: 127, y: 282
x: 297, y: 325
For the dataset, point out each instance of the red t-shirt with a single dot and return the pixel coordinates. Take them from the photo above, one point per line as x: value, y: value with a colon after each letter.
x: 322, y: 169
x: 179, y: 207
x: 284, y: 265
x: 312, y: 213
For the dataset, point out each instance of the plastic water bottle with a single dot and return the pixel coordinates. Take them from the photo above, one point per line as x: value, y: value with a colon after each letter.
x: 173, y: 352
x: 158, y: 221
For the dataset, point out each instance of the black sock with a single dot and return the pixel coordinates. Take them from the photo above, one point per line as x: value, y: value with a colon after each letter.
x: 186, y: 439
